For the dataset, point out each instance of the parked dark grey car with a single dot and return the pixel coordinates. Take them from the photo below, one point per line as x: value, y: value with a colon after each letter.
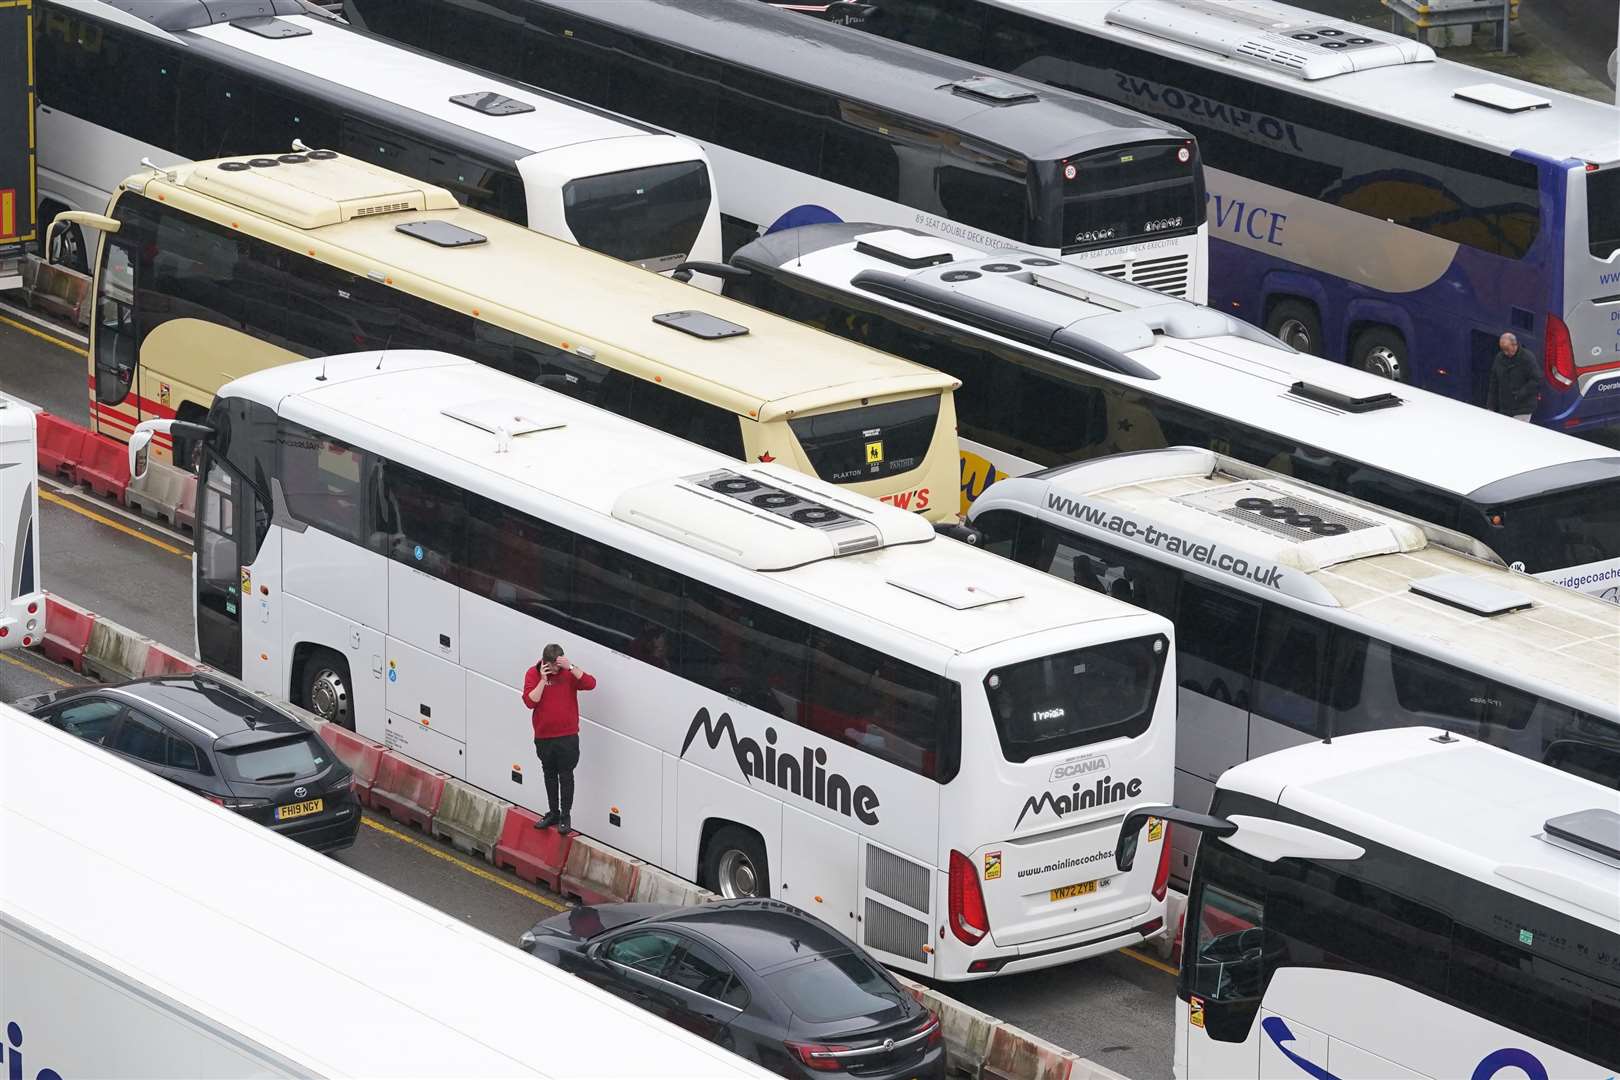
x: 760, y: 977
x: 228, y: 746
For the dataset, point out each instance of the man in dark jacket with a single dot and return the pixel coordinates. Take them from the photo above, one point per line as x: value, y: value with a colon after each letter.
x: 1513, y: 388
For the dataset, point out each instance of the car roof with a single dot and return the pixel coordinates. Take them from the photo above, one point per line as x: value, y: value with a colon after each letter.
x: 208, y: 705
x: 763, y: 934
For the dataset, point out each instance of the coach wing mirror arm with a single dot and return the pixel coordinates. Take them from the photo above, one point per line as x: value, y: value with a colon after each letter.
x: 1266, y: 839
x: 1125, y: 852
x: 685, y: 271
x: 140, y: 442
x: 78, y: 217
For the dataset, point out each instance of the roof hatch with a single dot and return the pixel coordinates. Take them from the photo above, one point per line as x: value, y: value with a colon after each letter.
x: 1270, y: 35
x: 495, y: 415
x: 490, y: 103
x: 1471, y: 594
x: 945, y: 585
x: 313, y: 189
x: 1594, y: 833
x: 1502, y: 98
x: 995, y: 91
x: 903, y: 248
x: 267, y: 27
x: 766, y: 518
x: 1349, y: 401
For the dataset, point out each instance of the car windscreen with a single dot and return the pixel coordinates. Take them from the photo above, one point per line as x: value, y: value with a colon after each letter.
x: 834, y: 987
x: 650, y: 216
x: 869, y: 441
x: 1554, y: 532
x: 1076, y: 698
x: 271, y: 762
x: 1127, y: 192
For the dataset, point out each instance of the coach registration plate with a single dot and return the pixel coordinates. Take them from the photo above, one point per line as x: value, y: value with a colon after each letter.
x: 299, y: 809
x: 1069, y: 891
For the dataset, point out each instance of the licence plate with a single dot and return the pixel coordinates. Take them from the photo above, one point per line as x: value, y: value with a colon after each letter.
x: 1085, y: 888
x: 299, y: 809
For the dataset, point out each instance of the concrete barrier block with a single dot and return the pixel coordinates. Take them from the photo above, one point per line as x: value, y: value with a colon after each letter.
x: 67, y: 632
x: 1015, y: 1054
x: 655, y: 886
x: 407, y: 791
x: 967, y: 1030
x: 536, y: 855
x: 160, y: 493
x: 598, y: 874
x: 114, y: 653
x: 469, y: 819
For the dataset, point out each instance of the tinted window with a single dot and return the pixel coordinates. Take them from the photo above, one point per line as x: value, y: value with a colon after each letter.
x: 215, y: 117
x: 1452, y: 697
x: 647, y: 951
x: 855, y: 155
x: 834, y: 987
x: 143, y: 738
x: 194, y: 271
x: 981, y: 195
x: 741, y: 649
x: 422, y: 522
x: 322, y: 482
x: 517, y: 560
x: 475, y: 182
x: 1603, y: 212
x: 270, y: 762
x: 93, y: 71
x: 622, y: 601
x: 1076, y: 698
x: 699, y: 970
x: 182, y: 755
x: 671, y: 411
x: 867, y: 442
x: 1215, y: 643
x: 1099, y: 567
x: 1305, y: 668
x: 1136, y: 191
x: 89, y: 720
x: 280, y: 116
x: 773, y: 120
x: 879, y: 704
x: 651, y: 215
x: 1571, y: 528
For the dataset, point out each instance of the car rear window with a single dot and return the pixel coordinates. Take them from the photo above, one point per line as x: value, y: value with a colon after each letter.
x: 834, y: 987
x: 268, y: 762
x: 868, y: 442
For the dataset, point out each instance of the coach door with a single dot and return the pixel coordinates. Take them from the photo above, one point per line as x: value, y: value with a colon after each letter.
x: 222, y: 575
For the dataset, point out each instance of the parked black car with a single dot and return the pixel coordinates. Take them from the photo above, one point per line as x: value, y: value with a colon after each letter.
x: 234, y: 749
x: 760, y: 977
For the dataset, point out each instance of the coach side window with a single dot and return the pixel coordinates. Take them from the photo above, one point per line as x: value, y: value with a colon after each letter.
x: 620, y: 599
x: 877, y: 703
x: 323, y: 481
x: 94, y: 72
x: 1450, y: 697
x: 1580, y: 743
x: 773, y: 120
x: 740, y: 649
x: 519, y: 561
x: 1215, y: 642
x: 421, y: 522
x: 1307, y: 671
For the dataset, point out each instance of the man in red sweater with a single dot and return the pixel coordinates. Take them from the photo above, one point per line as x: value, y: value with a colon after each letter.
x: 551, y: 688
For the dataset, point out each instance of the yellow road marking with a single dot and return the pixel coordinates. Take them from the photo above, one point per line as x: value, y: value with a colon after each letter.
x: 41, y: 672
x: 1150, y: 961
x: 102, y: 519
x: 471, y: 868
x: 43, y: 336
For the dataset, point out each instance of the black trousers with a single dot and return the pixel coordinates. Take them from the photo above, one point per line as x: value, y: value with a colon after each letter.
x: 558, y: 757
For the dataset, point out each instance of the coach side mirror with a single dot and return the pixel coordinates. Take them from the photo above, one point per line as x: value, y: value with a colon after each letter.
x: 685, y: 271
x: 82, y: 218
x: 140, y: 441
x: 1131, y: 832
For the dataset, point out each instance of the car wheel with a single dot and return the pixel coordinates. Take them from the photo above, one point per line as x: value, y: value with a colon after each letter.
x: 1382, y: 351
x: 324, y: 688
x: 1296, y: 323
x: 735, y: 865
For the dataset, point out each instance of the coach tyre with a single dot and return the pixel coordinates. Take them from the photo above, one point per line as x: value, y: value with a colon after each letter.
x: 1381, y: 351
x: 734, y: 863
x: 1296, y: 323
x: 324, y: 688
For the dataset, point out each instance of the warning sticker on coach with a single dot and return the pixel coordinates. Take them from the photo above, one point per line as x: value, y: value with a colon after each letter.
x: 992, y: 865
x: 874, y: 452
x: 1155, y: 829
x: 1195, y: 1011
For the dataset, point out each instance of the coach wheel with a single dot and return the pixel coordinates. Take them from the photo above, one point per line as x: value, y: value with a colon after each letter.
x: 735, y: 864
x: 1382, y: 351
x: 325, y: 688
x: 1296, y: 324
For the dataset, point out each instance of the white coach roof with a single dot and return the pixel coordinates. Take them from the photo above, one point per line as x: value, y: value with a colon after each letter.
x: 586, y: 469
